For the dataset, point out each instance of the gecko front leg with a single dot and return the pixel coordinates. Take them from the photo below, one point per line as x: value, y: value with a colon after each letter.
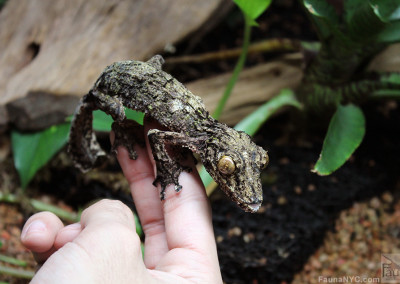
x: 127, y: 133
x: 168, y: 169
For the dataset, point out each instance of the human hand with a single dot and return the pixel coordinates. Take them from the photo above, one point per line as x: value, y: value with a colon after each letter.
x: 104, y: 247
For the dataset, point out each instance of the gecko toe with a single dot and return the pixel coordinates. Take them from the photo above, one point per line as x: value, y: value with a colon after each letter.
x: 162, y: 194
x: 178, y: 187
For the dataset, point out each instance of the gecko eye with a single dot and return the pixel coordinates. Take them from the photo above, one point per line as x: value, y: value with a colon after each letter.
x: 265, y: 161
x: 226, y: 165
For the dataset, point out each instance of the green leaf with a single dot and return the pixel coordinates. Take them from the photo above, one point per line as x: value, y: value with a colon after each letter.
x: 392, y: 78
x: 387, y: 10
x: 34, y: 150
x: 322, y: 9
x: 364, y: 24
x: 142, y: 249
x: 311, y: 46
x: 139, y: 230
x: 345, y: 133
x: 134, y: 115
x: 385, y: 93
x: 324, y: 16
x: 390, y: 88
x: 391, y: 33
x: 351, y: 7
x: 205, y: 177
x: 253, y: 8
x: 251, y: 123
x: 103, y: 121
x: 373, y: 20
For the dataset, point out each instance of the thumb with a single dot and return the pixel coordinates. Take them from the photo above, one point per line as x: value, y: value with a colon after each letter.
x: 106, y: 249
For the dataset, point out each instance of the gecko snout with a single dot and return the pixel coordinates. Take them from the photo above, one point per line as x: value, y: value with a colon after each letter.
x: 254, y: 204
x: 254, y: 207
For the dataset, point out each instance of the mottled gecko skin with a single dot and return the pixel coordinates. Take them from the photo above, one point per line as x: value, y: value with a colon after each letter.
x: 230, y: 156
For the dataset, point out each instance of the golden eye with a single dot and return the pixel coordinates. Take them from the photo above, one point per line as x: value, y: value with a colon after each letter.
x: 265, y: 162
x: 226, y: 165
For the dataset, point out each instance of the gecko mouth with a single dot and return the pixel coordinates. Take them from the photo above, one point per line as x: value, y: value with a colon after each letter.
x: 254, y: 207
x: 251, y: 207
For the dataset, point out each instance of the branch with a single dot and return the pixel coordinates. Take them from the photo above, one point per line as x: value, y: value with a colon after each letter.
x: 265, y: 46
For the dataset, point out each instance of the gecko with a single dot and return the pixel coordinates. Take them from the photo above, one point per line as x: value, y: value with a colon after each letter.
x: 232, y: 159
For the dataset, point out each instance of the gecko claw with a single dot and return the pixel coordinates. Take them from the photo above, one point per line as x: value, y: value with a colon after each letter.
x: 162, y: 194
x: 178, y: 188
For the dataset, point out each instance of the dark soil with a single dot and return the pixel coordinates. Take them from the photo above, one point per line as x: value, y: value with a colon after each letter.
x: 300, y: 206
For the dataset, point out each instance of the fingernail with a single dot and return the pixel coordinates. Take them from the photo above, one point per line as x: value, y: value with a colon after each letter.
x: 74, y: 226
x: 35, y: 227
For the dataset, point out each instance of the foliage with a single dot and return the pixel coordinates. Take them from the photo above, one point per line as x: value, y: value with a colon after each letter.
x: 33, y: 150
x: 361, y: 21
x: 351, y: 33
x: 12, y: 260
x: 102, y: 121
x: 251, y: 123
x: 251, y: 11
x: 345, y: 133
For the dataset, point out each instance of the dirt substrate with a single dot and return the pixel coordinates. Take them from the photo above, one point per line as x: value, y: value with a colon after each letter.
x: 300, y: 208
x: 353, y: 249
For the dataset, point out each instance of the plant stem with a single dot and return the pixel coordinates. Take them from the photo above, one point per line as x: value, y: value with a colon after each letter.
x: 41, y: 206
x: 236, y: 71
x: 265, y: 46
x: 27, y: 274
x: 63, y: 214
x: 12, y: 260
x: 8, y: 197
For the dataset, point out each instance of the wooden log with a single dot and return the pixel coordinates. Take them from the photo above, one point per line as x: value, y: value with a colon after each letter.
x: 255, y: 86
x: 388, y: 60
x: 59, y: 48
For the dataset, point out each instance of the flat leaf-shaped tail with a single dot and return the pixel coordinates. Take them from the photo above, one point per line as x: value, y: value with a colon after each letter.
x: 83, y: 146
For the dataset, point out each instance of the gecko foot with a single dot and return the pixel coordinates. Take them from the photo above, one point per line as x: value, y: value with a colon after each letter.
x: 127, y: 133
x: 170, y: 176
x: 162, y: 192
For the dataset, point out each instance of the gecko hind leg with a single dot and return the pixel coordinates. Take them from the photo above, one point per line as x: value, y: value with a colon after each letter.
x: 127, y: 133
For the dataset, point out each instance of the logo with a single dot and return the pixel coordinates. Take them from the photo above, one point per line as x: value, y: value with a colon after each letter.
x: 390, y: 268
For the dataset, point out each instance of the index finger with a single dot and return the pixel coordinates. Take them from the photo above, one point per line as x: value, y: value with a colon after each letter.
x: 187, y: 214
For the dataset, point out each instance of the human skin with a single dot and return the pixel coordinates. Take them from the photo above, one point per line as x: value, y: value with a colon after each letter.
x: 104, y: 247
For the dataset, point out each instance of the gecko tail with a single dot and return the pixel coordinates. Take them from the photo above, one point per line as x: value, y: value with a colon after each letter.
x: 83, y: 146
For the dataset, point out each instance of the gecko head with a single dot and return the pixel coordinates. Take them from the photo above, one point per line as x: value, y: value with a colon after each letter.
x: 235, y: 163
